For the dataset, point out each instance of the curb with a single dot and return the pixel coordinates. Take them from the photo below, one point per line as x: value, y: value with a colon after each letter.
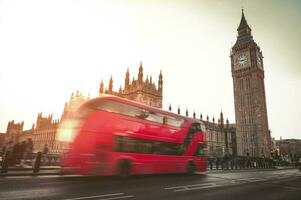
x: 58, y: 173
x: 245, y: 170
x: 30, y: 174
x: 31, y: 168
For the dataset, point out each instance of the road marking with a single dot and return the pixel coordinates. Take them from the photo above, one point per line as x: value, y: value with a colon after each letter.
x: 192, y: 187
x: 213, y: 185
x: 232, y: 181
x: 184, y: 186
x: 96, y: 196
x: 197, y: 188
x: 251, y: 180
x: 281, y: 177
x: 60, y: 182
x: 292, y: 188
x: 122, y: 197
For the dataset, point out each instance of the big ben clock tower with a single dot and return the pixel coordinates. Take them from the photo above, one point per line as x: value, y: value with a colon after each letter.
x: 252, y: 130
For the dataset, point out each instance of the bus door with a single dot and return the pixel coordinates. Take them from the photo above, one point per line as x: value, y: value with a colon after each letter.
x: 191, y: 139
x: 200, y: 157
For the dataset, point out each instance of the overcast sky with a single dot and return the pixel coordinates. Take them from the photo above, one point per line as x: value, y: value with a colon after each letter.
x: 48, y: 49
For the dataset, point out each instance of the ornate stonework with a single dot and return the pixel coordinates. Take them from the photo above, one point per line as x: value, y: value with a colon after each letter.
x: 13, y: 131
x: 45, y: 133
x: 74, y: 103
x: 143, y: 91
x: 220, y: 137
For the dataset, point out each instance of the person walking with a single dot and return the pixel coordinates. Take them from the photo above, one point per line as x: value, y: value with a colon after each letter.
x: 45, y: 154
x: 216, y: 163
x: 15, y: 154
x: 226, y: 161
x: 211, y: 160
x: 27, y: 156
x: 6, y: 158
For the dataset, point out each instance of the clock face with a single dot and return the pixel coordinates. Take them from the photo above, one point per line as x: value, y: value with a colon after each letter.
x: 241, y: 60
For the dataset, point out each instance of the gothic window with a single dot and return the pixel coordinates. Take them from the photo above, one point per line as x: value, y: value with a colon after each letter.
x: 241, y: 84
x: 248, y: 83
x: 242, y: 100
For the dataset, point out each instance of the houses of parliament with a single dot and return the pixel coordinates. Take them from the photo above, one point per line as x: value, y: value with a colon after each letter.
x: 249, y: 135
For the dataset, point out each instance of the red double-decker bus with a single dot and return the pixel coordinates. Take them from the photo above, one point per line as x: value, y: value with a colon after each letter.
x: 121, y: 137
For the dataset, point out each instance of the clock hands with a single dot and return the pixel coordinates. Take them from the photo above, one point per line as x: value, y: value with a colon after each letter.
x: 241, y: 59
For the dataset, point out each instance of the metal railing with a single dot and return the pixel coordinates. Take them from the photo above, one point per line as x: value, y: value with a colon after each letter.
x: 9, y: 161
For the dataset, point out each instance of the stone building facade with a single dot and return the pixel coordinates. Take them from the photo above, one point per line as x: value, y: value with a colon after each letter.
x: 289, y: 149
x: 252, y: 130
x: 13, y: 131
x: 143, y: 91
x: 220, y: 134
x: 220, y: 137
x: 2, y: 138
x: 76, y: 100
x: 26, y: 134
x: 44, y: 131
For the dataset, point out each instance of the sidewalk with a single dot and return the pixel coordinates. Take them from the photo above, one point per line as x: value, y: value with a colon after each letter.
x: 247, y: 169
x: 28, y: 171
x: 56, y: 170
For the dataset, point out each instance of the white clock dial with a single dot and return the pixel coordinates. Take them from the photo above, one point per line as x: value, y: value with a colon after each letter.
x: 241, y: 60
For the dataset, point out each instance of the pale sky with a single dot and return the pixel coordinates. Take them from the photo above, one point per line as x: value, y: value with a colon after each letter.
x: 50, y: 48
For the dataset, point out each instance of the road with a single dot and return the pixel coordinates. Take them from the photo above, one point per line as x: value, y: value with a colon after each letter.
x: 268, y: 184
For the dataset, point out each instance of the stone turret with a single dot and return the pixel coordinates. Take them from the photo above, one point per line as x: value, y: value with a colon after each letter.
x: 143, y: 91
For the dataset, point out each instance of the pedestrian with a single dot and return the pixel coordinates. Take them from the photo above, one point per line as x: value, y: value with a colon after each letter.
x: 45, y: 154
x: 222, y: 161
x: 235, y: 160
x: 15, y: 154
x: 216, y: 163
x: 248, y: 161
x: 7, y: 152
x: 226, y: 161
x: 231, y: 161
x: 27, y: 156
x: 22, y: 148
x: 210, y: 160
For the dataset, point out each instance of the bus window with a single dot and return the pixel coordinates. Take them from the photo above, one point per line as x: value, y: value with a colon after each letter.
x: 155, y: 117
x: 191, y: 132
x: 120, y: 108
x: 202, y: 150
x: 136, y: 145
x: 133, y: 111
x: 142, y: 114
x: 172, y: 121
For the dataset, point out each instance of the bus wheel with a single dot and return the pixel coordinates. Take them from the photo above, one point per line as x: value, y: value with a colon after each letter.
x: 190, y: 168
x: 124, y: 169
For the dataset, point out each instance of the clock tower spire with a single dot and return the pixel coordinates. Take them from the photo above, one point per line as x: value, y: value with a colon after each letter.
x: 244, y: 31
x: 253, y: 136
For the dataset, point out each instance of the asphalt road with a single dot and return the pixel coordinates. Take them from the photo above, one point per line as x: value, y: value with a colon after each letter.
x: 269, y: 184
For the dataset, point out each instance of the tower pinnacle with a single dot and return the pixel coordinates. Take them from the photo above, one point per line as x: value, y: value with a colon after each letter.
x: 243, y: 22
x: 244, y: 31
x: 140, y: 74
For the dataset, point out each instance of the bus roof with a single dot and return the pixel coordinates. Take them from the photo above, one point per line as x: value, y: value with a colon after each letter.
x: 138, y: 104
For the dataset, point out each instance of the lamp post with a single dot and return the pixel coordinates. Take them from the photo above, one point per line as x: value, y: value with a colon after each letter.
x: 226, y: 136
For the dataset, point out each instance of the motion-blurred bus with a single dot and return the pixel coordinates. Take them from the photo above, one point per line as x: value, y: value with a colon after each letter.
x: 122, y: 137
